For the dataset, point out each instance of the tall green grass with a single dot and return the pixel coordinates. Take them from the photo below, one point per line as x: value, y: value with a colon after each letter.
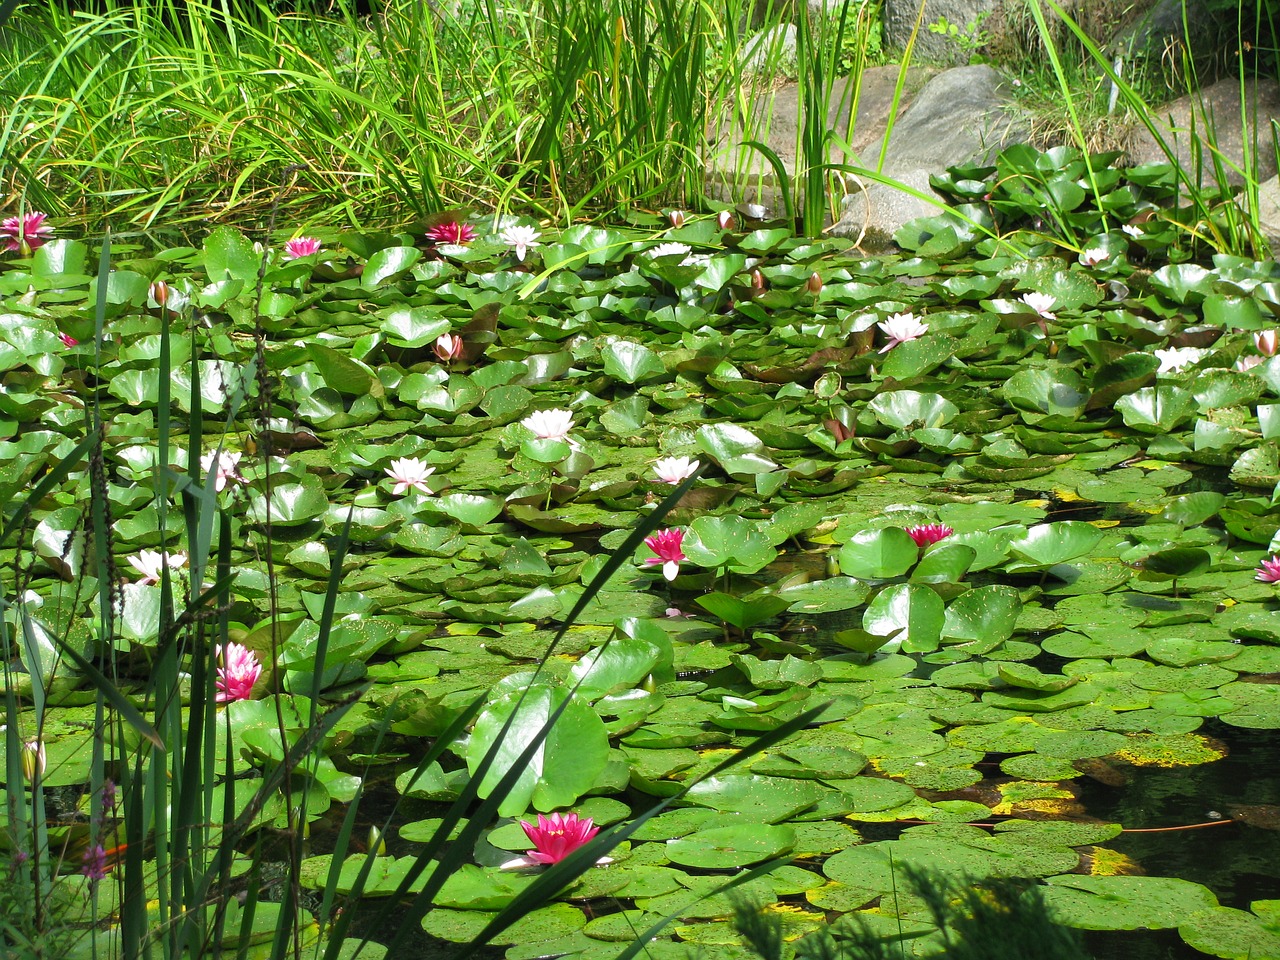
x: 163, y: 113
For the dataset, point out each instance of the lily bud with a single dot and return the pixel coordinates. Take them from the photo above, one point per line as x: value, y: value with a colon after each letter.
x: 725, y: 219
x: 757, y: 281
x: 448, y: 347
x: 813, y: 284
x: 377, y: 845
x: 677, y: 218
x: 1267, y: 342
x: 159, y: 292
x: 33, y: 760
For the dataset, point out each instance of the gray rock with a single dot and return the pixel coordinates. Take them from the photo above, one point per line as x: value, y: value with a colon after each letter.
x: 873, y: 215
x: 1218, y: 108
x: 1164, y: 24
x: 968, y: 15
x: 1269, y: 212
x: 771, y: 51
x: 962, y: 114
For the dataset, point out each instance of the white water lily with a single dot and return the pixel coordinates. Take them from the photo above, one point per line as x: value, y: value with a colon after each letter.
x: 1132, y: 231
x: 550, y: 424
x: 675, y: 469
x: 900, y: 328
x: 224, y: 465
x: 1041, y: 303
x: 1175, y: 358
x: 151, y: 563
x: 520, y: 239
x: 1093, y: 256
x: 409, y: 472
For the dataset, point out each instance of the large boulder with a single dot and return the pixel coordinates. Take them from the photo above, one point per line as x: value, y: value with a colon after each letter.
x: 961, y: 115
x: 1224, y: 118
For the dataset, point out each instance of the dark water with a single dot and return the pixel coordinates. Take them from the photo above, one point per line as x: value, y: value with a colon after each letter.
x: 1240, y: 863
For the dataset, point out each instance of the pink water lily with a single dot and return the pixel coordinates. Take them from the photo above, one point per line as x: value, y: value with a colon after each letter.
x: 452, y: 232
x: 557, y: 836
x: 1041, y: 303
x: 301, y: 247
x: 224, y: 465
x: 409, y: 473
x: 238, y: 671
x: 448, y: 347
x: 1269, y: 572
x: 1267, y: 342
x: 668, y: 545
x: 24, y: 234
x: 675, y: 469
x: 927, y: 533
x: 67, y: 339
x: 900, y: 328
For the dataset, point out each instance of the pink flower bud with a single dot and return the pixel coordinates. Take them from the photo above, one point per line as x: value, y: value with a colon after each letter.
x: 159, y: 292
x: 813, y: 284
x: 757, y: 281
x: 677, y: 218
x: 1267, y: 342
x: 725, y: 219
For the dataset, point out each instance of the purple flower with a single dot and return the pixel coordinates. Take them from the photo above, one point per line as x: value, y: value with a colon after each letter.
x: 95, y: 863
x: 24, y: 234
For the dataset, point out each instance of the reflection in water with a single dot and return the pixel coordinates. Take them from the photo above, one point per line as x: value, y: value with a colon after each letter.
x: 1239, y: 862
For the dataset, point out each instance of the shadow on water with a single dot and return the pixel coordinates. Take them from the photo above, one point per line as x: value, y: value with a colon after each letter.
x: 1238, y: 861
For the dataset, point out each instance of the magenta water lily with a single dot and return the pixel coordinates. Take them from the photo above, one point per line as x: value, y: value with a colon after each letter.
x: 26, y: 233
x: 668, y: 547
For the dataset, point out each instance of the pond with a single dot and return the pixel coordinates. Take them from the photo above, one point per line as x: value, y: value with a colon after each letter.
x: 972, y: 545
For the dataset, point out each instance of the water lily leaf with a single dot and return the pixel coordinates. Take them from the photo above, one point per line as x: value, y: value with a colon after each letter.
x: 1049, y: 544
x: 1029, y: 678
x: 777, y: 674
x: 631, y: 362
x: 738, y: 451
x: 986, y: 615
x: 348, y: 376
x: 1183, y: 283
x: 1125, y: 903
x: 414, y: 326
x: 290, y: 504
x: 545, y: 924
x: 743, y: 612
x: 1232, y: 934
x: 911, y: 613
x: 825, y: 596
x: 736, y: 846
x: 944, y: 563
x: 469, y: 508
x: 730, y: 542
x: 1057, y: 391
x: 1186, y: 652
x: 878, y: 554
x: 564, y: 766
x: 1193, y: 509
x: 768, y: 799
x: 908, y: 409
x: 1156, y: 409
x: 229, y: 255
x: 619, y: 665
x: 388, y: 264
